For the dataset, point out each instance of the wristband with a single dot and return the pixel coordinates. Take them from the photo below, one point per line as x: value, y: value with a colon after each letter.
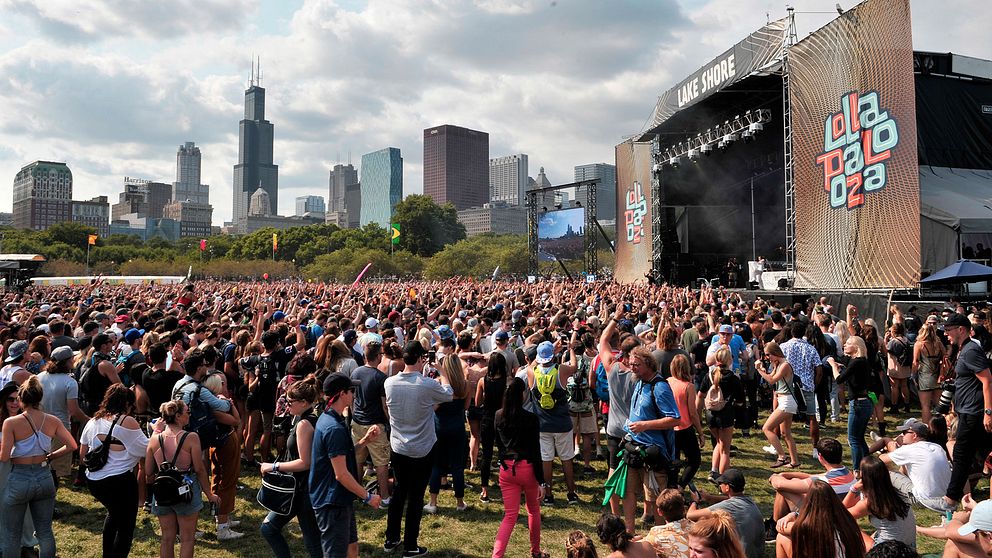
x: 275, y: 467
x: 368, y: 498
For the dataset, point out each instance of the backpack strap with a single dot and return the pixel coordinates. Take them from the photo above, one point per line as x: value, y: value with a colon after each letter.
x: 179, y: 389
x: 179, y: 445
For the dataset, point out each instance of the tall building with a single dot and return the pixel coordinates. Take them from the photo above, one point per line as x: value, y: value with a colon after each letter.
x: 255, y: 169
x: 142, y: 198
x: 353, y: 203
x: 42, y: 195
x: 6, y: 220
x: 194, y: 219
x: 381, y: 186
x: 314, y: 205
x: 340, y: 177
x: 606, y: 190
x: 547, y: 198
x: 456, y: 162
x: 94, y: 213
x: 259, y: 204
x: 187, y: 185
x: 508, y: 179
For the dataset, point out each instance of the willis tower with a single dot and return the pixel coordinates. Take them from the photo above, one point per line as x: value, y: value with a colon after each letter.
x: 255, y: 169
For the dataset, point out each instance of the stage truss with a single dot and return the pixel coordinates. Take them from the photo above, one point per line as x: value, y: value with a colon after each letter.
x: 591, y: 258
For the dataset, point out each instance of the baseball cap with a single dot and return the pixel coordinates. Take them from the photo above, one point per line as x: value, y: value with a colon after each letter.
x: 61, y: 353
x: 100, y: 316
x: 16, y: 350
x: 498, y: 308
x: 121, y: 318
x: 502, y: 335
x: 981, y: 519
x: 369, y: 338
x: 933, y: 319
x: 45, y: 308
x: 349, y: 336
x: 444, y: 332
x: 463, y: 314
x: 920, y: 428
x: 46, y: 328
x: 393, y: 316
x: 732, y: 477
x: 516, y: 314
x: 726, y: 328
x: 132, y: 334
x: 53, y: 317
x: 957, y: 319
x: 545, y: 352
x: 371, y: 323
x: 278, y: 315
x: 338, y: 382
x: 8, y: 388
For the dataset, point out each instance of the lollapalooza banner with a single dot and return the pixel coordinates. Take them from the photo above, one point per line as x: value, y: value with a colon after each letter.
x: 756, y: 51
x: 633, y: 257
x: 854, y: 144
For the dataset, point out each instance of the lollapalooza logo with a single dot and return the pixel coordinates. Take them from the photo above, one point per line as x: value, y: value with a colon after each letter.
x: 857, y: 141
x: 637, y: 208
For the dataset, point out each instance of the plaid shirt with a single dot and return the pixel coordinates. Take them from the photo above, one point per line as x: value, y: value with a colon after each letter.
x: 804, y: 360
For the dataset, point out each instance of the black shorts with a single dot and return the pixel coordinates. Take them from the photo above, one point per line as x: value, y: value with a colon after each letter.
x: 475, y: 412
x: 338, y: 529
x: 612, y: 449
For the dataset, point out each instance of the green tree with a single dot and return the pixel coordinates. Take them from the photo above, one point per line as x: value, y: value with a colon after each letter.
x: 345, y: 264
x: 73, y: 234
x: 478, y: 257
x: 426, y: 227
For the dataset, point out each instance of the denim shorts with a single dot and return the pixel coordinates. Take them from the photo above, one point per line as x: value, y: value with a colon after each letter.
x: 193, y: 507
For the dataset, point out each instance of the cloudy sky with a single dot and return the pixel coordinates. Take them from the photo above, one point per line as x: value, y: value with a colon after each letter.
x: 113, y: 87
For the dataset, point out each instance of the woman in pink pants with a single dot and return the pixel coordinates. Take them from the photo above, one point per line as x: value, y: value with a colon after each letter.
x: 519, y: 469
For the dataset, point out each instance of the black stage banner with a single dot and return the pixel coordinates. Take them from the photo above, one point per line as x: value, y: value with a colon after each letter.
x: 756, y: 51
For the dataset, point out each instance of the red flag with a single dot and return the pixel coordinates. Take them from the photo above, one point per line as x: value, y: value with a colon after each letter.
x: 203, y: 244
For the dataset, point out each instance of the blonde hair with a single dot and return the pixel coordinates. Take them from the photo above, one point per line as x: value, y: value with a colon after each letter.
x: 725, y: 360
x: 860, y: 349
x: 842, y: 332
x: 215, y: 383
x: 31, y: 392
x: 171, y: 409
x: 680, y: 368
x: 452, y: 365
x: 719, y: 534
x: 579, y: 545
x: 772, y: 348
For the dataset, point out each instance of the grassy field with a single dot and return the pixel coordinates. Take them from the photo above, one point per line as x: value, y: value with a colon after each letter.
x: 448, y: 533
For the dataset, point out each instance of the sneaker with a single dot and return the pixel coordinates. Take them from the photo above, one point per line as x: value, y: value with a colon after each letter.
x: 461, y: 507
x: 384, y: 503
x: 484, y: 498
x: 549, y: 499
x: 390, y: 546
x: 430, y: 509
x: 421, y: 551
x: 713, y: 476
x: 226, y: 534
x: 874, y: 436
x: 588, y: 470
x: 573, y: 498
x: 769, y: 449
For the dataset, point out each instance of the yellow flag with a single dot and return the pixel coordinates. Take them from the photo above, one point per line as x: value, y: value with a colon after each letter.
x: 275, y: 241
x: 92, y: 240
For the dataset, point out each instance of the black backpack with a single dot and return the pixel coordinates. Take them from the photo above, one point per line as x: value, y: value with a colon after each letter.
x: 171, y: 487
x: 201, y: 417
x: 904, y: 356
x: 89, y: 369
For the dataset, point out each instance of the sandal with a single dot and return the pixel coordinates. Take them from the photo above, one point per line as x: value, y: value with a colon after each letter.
x: 780, y: 462
x: 793, y: 465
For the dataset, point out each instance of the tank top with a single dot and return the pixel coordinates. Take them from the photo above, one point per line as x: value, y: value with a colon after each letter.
x: 680, y: 390
x: 902, y: 529
x: 492, y: 397
x: 37, y: 444
x: 293, y: 451
x: 450, y: 416
x: 784, y: 385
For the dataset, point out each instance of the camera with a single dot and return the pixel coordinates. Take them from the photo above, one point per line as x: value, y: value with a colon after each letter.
x: 946, y: 397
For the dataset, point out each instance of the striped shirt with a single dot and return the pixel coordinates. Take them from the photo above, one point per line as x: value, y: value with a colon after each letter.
x: 840, y: 479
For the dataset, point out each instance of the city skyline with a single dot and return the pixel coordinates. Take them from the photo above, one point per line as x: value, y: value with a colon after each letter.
x: 113, y: 96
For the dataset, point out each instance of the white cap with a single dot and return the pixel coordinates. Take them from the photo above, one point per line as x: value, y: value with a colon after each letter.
x: 371, y: 323
x: 981, y: 519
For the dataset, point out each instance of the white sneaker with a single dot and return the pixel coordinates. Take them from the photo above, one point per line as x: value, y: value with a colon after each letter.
x: 226, y: 534
x: 816, y: 454
x: 769, y: 449
x: 874, y: 436
x: 461, y: 507
x: 430, y: 509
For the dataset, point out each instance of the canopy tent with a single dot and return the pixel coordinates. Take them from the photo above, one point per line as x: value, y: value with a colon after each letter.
x: 953, y: 202
x: 962, y: 271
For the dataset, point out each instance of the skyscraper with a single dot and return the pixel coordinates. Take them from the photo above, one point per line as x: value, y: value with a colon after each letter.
x: 42, y: 195
x: 313, y: 205
x: 381, y: 185
x: 255, y: 169
x: 187, y: 185
x: 353, y: 203
x: 456, y: 162
x: 606, y: 191
x: 508, y: 179
x: 340, y: 177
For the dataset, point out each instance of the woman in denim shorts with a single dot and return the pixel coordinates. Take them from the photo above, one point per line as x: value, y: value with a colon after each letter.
x: 179, y: 518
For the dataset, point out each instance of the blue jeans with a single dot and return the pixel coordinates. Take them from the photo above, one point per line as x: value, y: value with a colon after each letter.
x: 29, y: 486
x: 304, y: 514
x: 449, y: 458
x: 858, y: 416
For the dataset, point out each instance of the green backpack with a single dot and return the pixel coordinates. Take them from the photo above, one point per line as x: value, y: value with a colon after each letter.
x: 546, y: 382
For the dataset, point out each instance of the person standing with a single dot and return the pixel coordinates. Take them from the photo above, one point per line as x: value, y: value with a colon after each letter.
x: 490, y: 394
x: 26, y: 443
x: 806, y: 363
x: 780, y: 377
x: 972, y: 403
x: 689, y: 431
x: 369, y: 410
x: 410, y: 401
x: 333, y: 471
x: 858, y: 377
x: 115, y: 485
x: 549, y: 401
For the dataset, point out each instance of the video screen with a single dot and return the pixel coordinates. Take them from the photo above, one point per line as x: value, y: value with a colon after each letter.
x: 561, y: 234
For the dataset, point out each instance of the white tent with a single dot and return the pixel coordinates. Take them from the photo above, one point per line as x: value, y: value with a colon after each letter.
x: 953, y: 202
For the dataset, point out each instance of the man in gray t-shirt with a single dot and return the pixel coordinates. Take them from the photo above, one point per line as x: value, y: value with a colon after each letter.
x: 747, y: 516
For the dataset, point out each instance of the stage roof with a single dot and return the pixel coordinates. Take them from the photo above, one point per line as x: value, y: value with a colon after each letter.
x: 958, y: 198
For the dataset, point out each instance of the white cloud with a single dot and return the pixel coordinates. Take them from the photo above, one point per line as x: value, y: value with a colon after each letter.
x: 115, y: 87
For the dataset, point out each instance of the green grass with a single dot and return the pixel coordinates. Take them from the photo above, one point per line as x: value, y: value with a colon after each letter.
x: 449, y: 533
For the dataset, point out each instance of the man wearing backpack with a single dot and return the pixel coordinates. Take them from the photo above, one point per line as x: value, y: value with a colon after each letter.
x: 900, y: 365
x: 189, y: 389
x: 580, y: 402
x: 549, y: 401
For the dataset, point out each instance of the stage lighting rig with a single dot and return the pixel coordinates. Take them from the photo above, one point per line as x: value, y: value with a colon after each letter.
x: 755, y: 127
x: 743, y: 126
x: 706, y: 149
x: 674, y: 161
x: 693, y: 154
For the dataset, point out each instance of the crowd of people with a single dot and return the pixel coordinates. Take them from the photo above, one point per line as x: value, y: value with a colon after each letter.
x: 160, y: 397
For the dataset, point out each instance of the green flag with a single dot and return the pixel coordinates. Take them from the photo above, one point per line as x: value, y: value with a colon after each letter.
x: 396, y: 233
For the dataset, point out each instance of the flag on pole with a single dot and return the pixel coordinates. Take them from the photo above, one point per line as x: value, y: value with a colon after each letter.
x: 203, y: 244
x: 395, y: 227
x: 91, y: 240
x: 275, y: 241
x: 495, y: 273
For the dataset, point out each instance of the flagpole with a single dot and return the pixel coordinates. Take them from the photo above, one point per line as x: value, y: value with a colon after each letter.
x: 87, y: 257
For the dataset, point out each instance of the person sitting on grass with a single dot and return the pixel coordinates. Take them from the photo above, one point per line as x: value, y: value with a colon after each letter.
x: 968, y: 533
x: 924, y: 465
x: 579, y: 545
x: 670, y: 540
x: 747, y: 516
x: 886, y: 508
x: 822, y: 528
x: 715, y: 536
x: 613, y: 533
x: 791, y: 487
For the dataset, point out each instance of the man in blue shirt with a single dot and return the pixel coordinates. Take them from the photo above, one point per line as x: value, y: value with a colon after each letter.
x: 333, y: 470
x: 726, y: 337
x: 650, y: 435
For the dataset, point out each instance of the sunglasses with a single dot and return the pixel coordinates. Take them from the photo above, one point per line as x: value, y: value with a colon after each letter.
x: 13, y: 399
